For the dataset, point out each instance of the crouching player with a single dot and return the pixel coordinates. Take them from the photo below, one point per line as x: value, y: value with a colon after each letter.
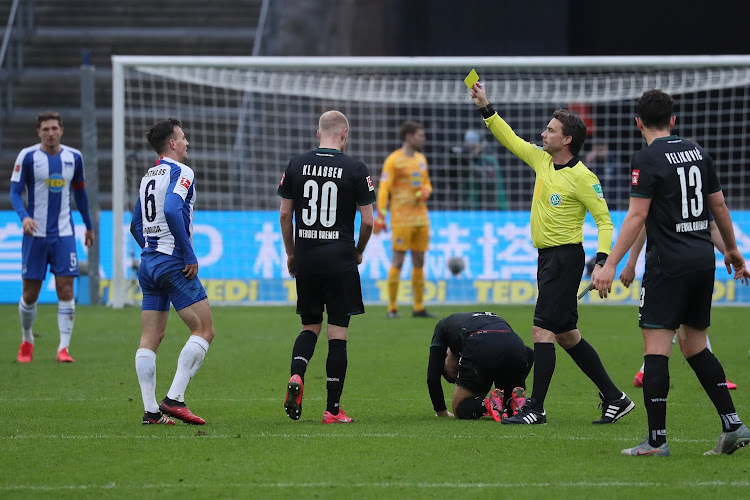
x: 475, y: 350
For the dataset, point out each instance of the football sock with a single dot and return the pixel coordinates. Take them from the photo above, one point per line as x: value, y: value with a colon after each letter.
x: 191, y: 358
x: 711, y: 375
x: 302, y: 352
x: 335, y: 372
x: 417, y: 285
x: 674, y: 339
x: 470, y: 409
x: 393, y: 278
x: 28, y: 314
x: 66, y: 314
x: 544, y: 367
x: 655, y: 390
x: 591, y: 365
x: 145, y: 368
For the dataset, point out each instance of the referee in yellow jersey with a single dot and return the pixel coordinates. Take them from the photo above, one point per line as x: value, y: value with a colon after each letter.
x: 564, y: 190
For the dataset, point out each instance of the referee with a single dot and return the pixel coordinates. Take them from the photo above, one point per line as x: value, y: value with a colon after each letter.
x: 564, y: 190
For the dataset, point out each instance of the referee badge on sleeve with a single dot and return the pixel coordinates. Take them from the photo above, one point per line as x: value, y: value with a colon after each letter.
x: 598, y: 191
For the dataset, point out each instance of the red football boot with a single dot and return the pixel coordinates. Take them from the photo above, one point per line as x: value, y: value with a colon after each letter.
x: 180, y: 411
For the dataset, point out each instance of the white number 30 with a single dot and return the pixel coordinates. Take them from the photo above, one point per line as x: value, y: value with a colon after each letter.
x: 328, y: 201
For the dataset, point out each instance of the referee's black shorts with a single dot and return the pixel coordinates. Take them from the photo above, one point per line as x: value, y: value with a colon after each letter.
x: 340, y: 294
x: 558, y: 277
x: 667, y: 302
x: 494, y: 357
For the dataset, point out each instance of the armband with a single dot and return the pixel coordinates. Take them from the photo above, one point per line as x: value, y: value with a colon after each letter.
x: 601, y: 259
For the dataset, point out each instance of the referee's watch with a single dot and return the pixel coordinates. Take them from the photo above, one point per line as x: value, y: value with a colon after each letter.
x: 601, y: 259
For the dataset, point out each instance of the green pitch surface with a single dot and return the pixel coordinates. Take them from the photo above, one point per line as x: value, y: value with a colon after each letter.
x: 74, y: 430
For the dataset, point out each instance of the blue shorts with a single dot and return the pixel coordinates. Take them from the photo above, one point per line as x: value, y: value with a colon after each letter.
x: 59, y: 252
x: 162, y: 282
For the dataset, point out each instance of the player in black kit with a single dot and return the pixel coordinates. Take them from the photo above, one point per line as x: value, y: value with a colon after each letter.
x: 321, y: 191
x: 674, y: 186
x: 487, y: 351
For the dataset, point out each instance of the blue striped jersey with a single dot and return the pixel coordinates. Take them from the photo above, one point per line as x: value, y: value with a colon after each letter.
x: 48, y: 180
x: 167, y: 176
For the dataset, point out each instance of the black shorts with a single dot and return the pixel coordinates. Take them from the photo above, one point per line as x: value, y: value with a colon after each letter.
x: 667, y: 302
x: 558, y: 277
x: 492, y: 357
x: 340, y: 294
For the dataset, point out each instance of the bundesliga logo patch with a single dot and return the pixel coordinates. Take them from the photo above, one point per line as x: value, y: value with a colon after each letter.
x: 369, y: 184
x: 636, y: 175
x: 185, y: 182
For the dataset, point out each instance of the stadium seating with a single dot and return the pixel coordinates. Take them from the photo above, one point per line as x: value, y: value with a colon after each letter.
x: 52, y: 56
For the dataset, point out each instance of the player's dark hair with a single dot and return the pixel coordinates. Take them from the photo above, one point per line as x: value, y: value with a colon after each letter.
x: 573, y: 126
x: 410, y: 127
x: 160, y: 132
x: 48, y: 115
x: 655, y: 108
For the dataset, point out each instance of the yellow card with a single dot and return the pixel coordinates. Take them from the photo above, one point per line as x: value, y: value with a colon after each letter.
x: 471, y: 79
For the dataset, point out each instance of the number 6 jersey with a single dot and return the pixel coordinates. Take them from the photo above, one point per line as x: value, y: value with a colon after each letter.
x: 326, y: 187
x: 165, y: 178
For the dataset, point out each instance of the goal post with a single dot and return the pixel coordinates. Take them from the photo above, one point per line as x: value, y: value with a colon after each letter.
x: 246, y: 116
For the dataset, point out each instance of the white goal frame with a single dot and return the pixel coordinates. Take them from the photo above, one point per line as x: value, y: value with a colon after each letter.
x: 461, y: 65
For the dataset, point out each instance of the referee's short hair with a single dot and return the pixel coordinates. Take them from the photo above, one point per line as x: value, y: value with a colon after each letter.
x: 572, y: 126
x: 160, y: 132
x: 655, y: 108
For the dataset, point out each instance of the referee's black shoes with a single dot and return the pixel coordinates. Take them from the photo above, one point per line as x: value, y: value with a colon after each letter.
x: 612, y: 411
x: 527, y: 415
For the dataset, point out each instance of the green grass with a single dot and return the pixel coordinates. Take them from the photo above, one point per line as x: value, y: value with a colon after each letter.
x: 74, y: 430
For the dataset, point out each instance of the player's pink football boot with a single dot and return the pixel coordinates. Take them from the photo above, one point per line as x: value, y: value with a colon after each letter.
x: 638, y: 380
x: 180, y: 411
x: 494, y: 405
x: 25, y: 352
x: 340, y: 418
x: 293, y: 400
x: 64, y: 356
x: 517, y: 400
x: 731, y: 385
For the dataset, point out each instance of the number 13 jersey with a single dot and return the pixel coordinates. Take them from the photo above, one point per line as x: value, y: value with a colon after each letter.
x: 326, y: 187
x: 678, y: 176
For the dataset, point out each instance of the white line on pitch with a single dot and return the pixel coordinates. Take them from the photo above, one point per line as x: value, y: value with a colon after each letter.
x: 385, y: 485
x: 243, y: 435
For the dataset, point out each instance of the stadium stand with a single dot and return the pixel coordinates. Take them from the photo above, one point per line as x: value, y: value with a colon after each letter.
x: 42, y: 64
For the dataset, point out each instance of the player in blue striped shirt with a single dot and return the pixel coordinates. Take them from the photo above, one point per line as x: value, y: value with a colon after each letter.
x: 49, y: 172
x: 163, y: 226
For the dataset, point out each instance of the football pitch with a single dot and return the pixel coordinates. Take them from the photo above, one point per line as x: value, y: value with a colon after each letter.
x: 73, y: 431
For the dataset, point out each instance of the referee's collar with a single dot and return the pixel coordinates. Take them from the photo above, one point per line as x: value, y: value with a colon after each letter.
x: 572, y: 163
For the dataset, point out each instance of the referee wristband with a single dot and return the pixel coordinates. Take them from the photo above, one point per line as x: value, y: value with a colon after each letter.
x: 487, y: 111
x: 601, y: 258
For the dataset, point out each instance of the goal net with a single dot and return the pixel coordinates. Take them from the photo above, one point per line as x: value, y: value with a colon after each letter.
x: 245, y: 117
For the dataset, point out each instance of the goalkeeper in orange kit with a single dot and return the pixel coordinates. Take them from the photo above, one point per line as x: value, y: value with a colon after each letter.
x: 405, y: 188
